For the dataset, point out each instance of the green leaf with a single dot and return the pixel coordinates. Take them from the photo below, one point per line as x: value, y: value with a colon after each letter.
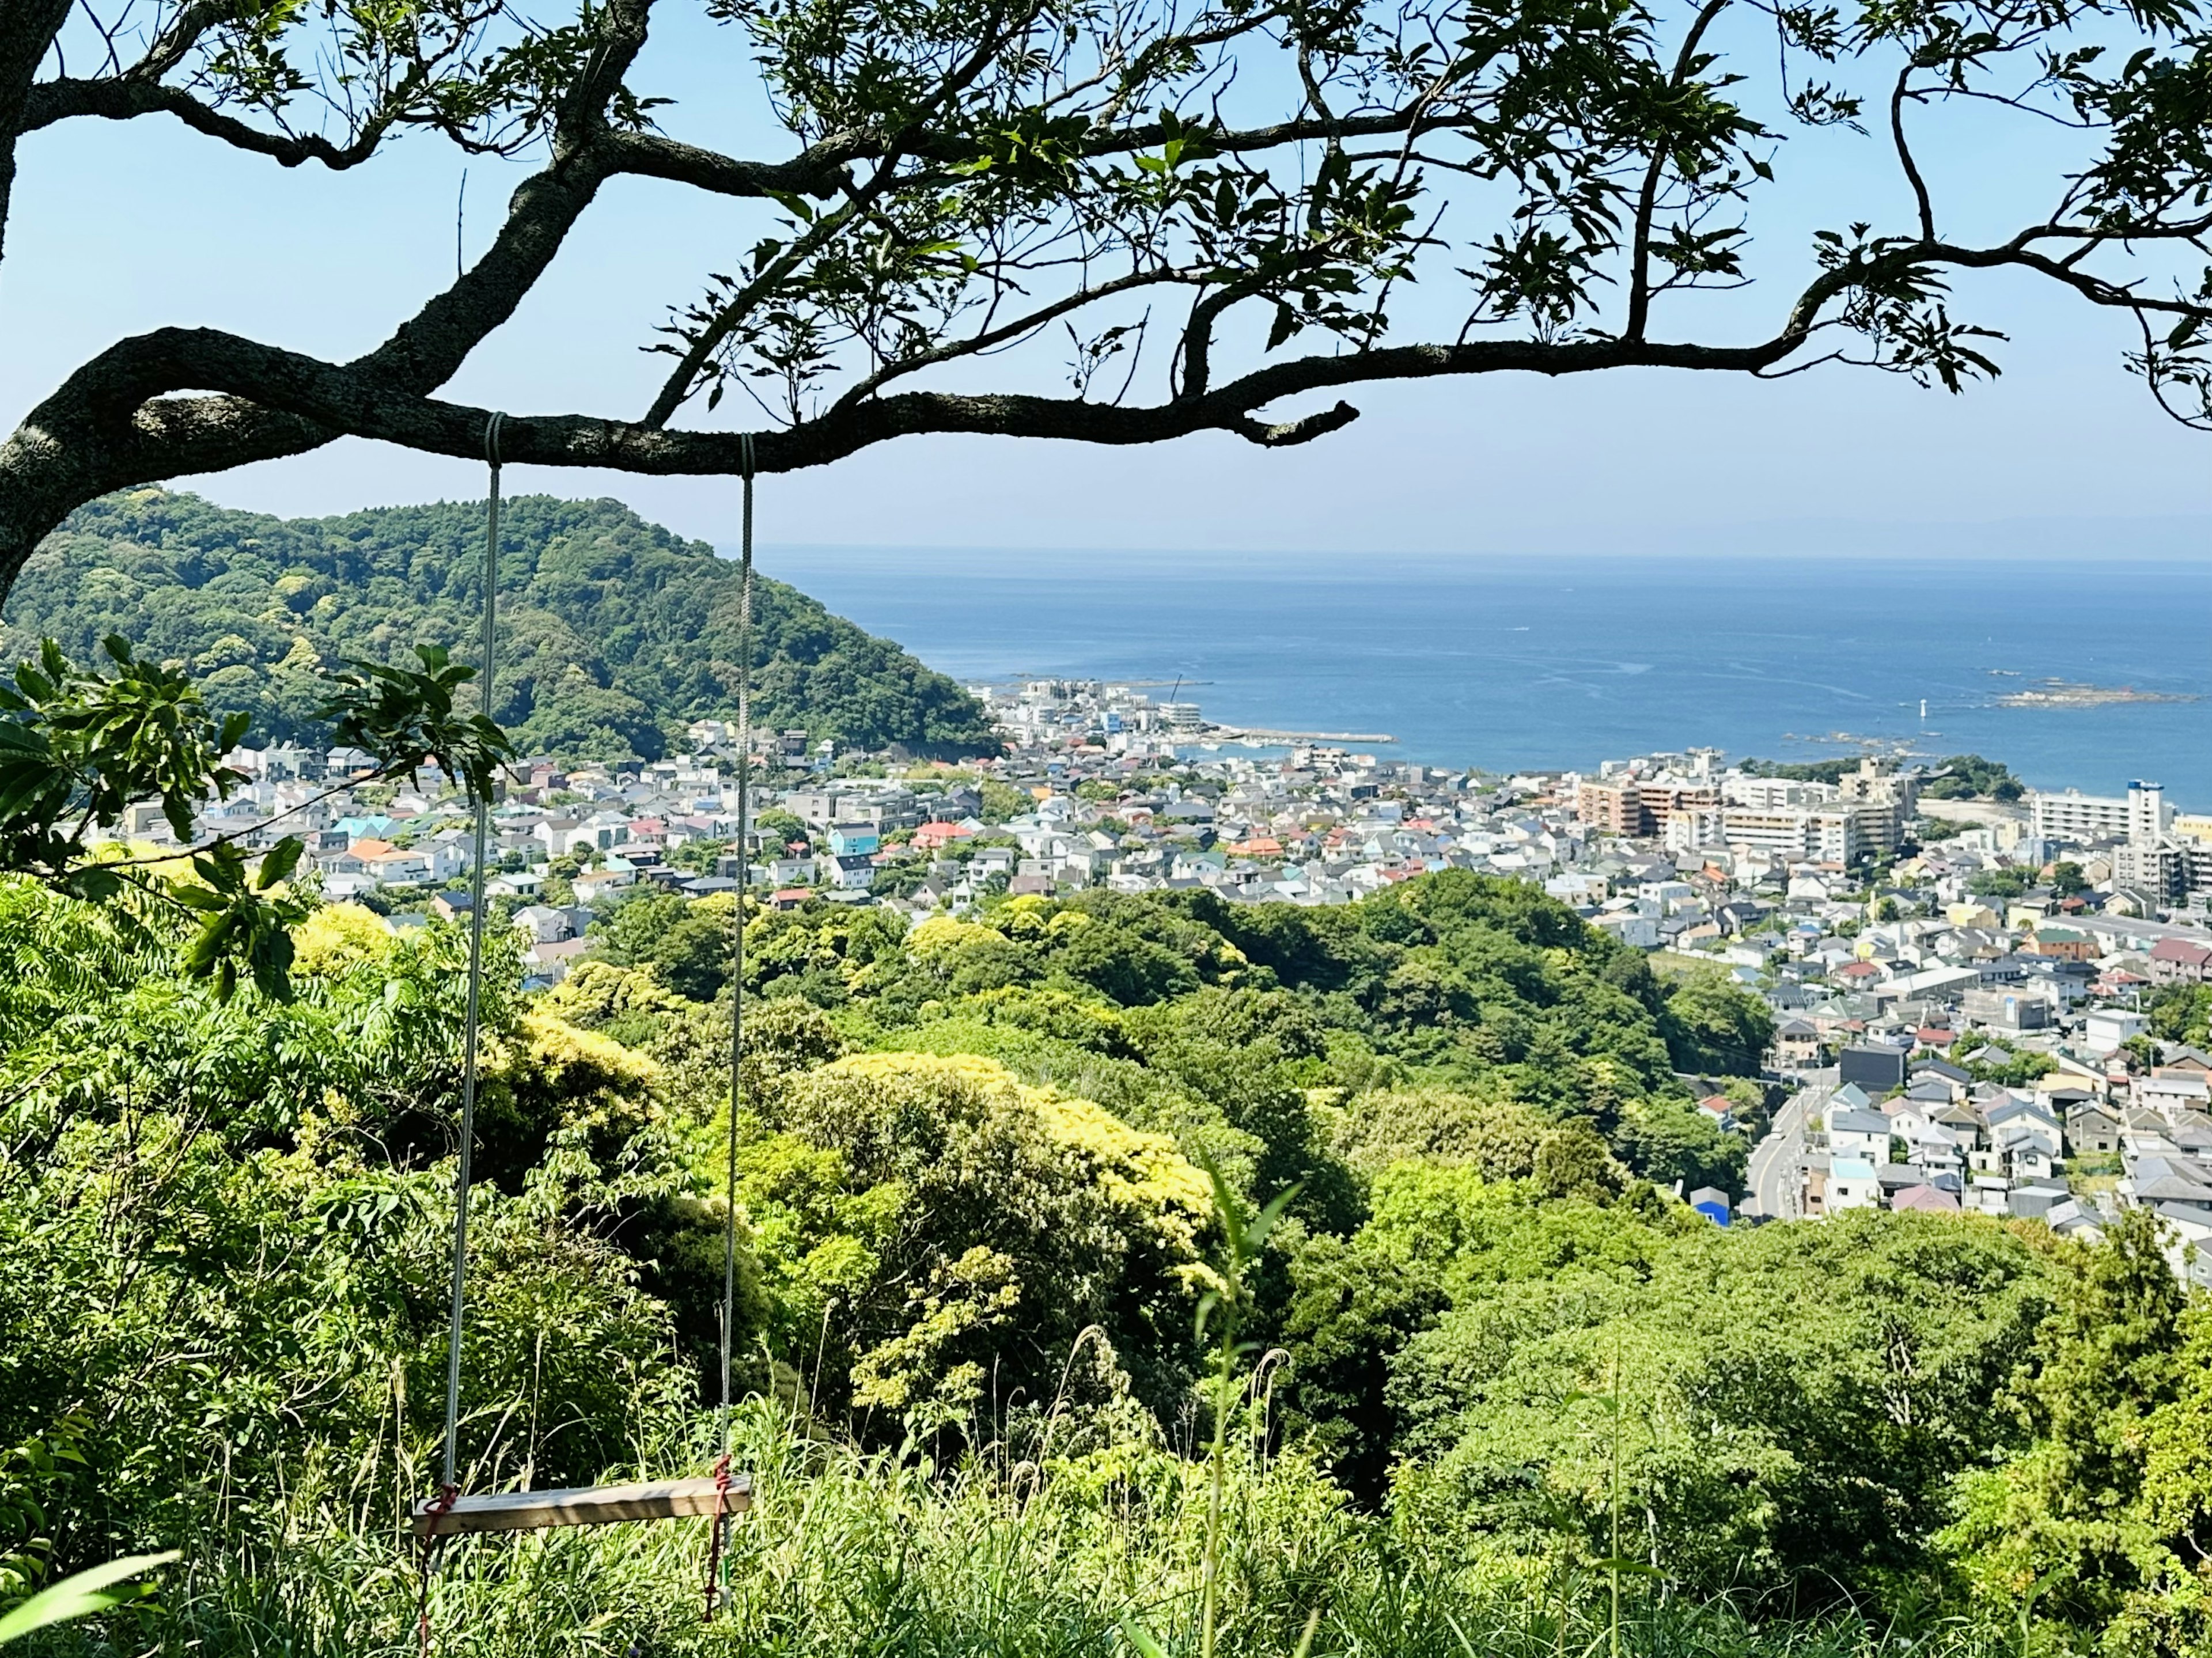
x: 279, y: 863
x: 80, y: 1595
x: 1629, y: 1567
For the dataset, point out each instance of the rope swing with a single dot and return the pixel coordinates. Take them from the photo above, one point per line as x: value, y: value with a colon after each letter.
x: 718, y: 1495
x: 714, y: 1587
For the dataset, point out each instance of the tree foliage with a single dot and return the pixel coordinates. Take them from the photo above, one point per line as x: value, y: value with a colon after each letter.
x: 82, y: 747
x: 1209, y: 220
x: 615, y: 634
x: 1970, y: 777
x: 973, y: 1220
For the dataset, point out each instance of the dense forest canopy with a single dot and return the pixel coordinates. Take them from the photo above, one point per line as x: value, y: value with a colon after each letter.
x: 616, y: 633
x: 976, y: 1228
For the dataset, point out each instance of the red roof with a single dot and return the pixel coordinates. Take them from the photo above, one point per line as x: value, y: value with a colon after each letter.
x: 2180, y: 950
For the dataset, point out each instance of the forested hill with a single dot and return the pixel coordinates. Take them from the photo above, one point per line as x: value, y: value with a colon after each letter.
x: 616, y: 632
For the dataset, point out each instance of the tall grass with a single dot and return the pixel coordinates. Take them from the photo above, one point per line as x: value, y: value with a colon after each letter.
x: 851, y: 1554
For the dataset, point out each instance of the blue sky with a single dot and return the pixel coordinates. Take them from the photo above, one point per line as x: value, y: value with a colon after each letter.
x: 122, y: 227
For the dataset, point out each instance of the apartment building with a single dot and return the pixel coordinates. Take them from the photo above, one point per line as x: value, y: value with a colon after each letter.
x: 2140, y: 816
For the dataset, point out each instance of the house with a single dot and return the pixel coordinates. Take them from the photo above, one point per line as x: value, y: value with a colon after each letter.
x: 854, y: 840
x: 2063, y: 944
x: 2177, y: 961
x: 451, y: 906
x: 1713, y: 1204
x: 564, y: 838
x: 395, y: 865
x: 544, y: 924
x: 1863, y: 1135
x: 1852, y: 1185
x: 2022, y: 1009
x: 848, y: 873
x: 2025, y: 1155
x: 2179, y: 1056
x: 1956, y: 1078
x: 2108, y: 1029
x: 2155, y: 1179
x: 2035, y: 1199
x: 1797, y: 1044
x: 1991, y: 1195
x: 2191, y: 1133
x: 1924, y: 1200
x: 598, y: 883
x: 2032, y: 1119
x: 2171, y: 1091
x: 1636, y: 932
x: 2092, y: 1131
x: 935, y: 836
x: 548, y: 963
x: 1895, y: 1178
x: 1877, y: 1070
x: 2068, y: 1220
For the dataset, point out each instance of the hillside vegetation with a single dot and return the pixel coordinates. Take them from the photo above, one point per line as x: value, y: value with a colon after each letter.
x: 1495, y: 1372
x: 615, y: 632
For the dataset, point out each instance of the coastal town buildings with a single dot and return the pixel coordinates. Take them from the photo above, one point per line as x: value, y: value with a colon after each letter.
x: 1963, y: 1031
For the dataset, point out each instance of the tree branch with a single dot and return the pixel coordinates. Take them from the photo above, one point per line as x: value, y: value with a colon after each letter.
x: 1028, y: 323
x: 1927, y: 208
x: 126, y: 98
x: 1647, y: 199
x: 27, y: 31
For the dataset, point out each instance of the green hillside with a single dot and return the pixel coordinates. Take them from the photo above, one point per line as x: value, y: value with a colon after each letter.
x: 616, y: 632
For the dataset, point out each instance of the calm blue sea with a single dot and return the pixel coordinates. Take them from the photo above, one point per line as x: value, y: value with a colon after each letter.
x: 1504, y: 662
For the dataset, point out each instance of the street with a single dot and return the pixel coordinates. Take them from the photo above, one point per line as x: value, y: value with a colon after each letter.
x: 1775, y: 1160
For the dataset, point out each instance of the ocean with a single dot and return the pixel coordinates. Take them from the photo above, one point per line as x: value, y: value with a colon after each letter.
x: 1511, y: 662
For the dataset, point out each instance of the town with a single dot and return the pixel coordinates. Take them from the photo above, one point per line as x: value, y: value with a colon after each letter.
x: 1959, y: 983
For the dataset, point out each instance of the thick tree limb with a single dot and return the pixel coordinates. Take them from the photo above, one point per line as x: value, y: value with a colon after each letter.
x: 28, y: 29
x: 983, y: 165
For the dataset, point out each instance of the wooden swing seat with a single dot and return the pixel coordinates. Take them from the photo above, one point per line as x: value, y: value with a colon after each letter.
x: 582, y: 1505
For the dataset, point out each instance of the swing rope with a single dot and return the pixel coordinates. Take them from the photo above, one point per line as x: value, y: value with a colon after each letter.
x: 715, y: 1591
x: 449, y: 1487
x: 448, y: 1511
x: 449, y: 1482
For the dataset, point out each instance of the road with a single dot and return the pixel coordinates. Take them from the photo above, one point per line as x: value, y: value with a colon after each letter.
x: 1775, y: 1160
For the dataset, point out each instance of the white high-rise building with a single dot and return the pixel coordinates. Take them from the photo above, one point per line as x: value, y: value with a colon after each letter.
x: 2140, y: 817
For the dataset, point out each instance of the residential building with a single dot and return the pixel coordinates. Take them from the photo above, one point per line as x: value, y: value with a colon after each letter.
x: 2074, y: 818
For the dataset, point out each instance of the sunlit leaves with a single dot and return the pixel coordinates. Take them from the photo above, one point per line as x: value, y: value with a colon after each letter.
x: 80, y: 747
